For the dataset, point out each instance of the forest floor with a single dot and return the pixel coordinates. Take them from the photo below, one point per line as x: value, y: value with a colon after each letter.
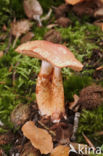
x: 18, y: 76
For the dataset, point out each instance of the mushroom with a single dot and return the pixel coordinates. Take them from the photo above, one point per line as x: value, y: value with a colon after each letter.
x: 18, y: 28
x: 33, y: 10
x: 49, y: 88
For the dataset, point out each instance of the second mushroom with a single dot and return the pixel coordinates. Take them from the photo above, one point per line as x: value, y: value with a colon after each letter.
x: 49, y: 88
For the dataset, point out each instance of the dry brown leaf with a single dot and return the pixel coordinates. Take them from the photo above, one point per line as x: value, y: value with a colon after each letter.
x: 20, y: 27
x: 39, y: 137
x: 61, y: 10
x: 73, y: 2
x: 27, y: 37
x: 6, y: 138
x: 29, y: 150
x: 60, y: 151
x: 53, y: 36
x: 63, y: 22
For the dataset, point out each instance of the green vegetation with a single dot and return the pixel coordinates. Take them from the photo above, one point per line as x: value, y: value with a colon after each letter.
x: 18, y: 73
x: 90, y: 123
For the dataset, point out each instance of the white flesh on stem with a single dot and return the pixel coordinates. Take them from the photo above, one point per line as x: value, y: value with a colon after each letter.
x: 50, y: 92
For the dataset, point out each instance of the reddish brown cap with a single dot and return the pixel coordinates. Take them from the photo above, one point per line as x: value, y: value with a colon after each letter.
x: 58, y: 55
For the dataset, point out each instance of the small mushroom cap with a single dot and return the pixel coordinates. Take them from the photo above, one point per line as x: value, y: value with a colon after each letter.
x: 58, y: 55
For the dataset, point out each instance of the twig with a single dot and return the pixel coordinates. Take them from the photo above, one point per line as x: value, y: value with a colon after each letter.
x: 9, y: 42
x: 47, y: 16
x: 14, y: 43
x: 88, y: 141
x: 99, y: 133
x: 75, y: 128
x: 50, y: 131
x: 14, y: 74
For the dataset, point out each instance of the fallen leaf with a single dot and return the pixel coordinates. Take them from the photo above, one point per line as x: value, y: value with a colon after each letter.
x: 60, y: 151
x: 39, y: 137
x: 53, y: 36
x: 6, y: 138
x: 61, y: 10
x: 29, y: 150
x: 63, y: 132
x: 63, y: 22
x: 27, y: 37
x: 20, y: 27
x: 84, y: 8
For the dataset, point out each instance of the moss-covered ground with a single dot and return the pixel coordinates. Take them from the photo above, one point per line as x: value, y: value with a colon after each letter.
x: 81, y: 37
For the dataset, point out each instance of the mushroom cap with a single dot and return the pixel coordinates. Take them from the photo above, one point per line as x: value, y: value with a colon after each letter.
x: 58, y: 55
x: 32, y: 8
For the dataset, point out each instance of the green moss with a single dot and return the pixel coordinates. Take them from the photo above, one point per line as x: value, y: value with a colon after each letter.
x: 74, y: 84
x: 25, y: 80
x: 90, y: 123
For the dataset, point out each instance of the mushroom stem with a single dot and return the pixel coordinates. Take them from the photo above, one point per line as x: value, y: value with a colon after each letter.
x: 49, y: 91
x: 37, y: 18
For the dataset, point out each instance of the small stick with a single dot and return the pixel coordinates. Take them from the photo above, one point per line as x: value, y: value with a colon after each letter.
x: 75, y: 128
x: 99, y: 68
x: 99, y: 133
x: 51, y: 132
x: 47, y: 16
x: 88, y: 141
x: 9, y: 42
x: 14, y: 74
x: 14, y: 43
